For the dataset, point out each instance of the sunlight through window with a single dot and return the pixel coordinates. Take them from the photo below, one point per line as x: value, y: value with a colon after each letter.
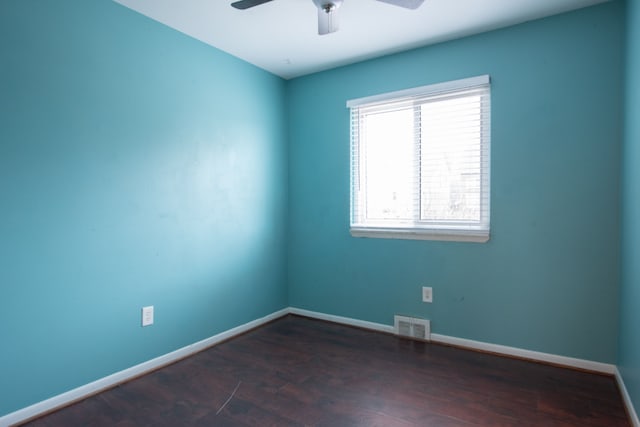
x: 420, y: 163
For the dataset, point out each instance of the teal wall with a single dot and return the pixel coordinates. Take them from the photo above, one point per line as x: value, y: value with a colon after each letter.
x: 137, y: 167
x: 629, y: 352
x: 141, y: 167
x: 548, y: 278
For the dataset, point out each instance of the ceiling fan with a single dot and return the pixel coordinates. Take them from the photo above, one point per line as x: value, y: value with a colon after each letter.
x: 328, y: 10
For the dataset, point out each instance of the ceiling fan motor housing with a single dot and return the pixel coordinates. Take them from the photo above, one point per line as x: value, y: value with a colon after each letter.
x: 327, y: 5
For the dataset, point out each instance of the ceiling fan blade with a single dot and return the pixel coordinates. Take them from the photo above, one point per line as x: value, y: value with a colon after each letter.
x: 328, y: 21
x: 246, y: 4
x: 407, y: 4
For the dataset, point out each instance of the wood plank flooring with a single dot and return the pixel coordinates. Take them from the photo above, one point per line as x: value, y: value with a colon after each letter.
x: 302, y: 372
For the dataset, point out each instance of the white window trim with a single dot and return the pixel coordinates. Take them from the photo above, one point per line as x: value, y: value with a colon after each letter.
x: 427, y: 90
x: 417, y: 234
x: 444, y: 232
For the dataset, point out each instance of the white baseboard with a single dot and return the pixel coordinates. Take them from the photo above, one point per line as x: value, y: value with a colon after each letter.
x: 633, y: 416
x: 571, y: 362
x: 474, y: 345
x: 97, y: 386
x: 343, y: 320
x: 102, y: 384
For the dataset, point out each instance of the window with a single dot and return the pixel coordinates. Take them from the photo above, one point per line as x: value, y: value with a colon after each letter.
x: 420, y: 162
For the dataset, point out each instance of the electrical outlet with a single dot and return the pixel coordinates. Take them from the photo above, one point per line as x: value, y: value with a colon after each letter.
x: 147, y: 315
x: 427, y: 294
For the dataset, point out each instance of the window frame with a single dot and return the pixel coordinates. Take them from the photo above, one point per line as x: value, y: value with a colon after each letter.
x: 425, y: 230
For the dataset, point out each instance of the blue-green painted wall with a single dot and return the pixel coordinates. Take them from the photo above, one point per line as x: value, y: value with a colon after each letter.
x: 548, y: 278
x: 137, y: 166
x: 629, y: 353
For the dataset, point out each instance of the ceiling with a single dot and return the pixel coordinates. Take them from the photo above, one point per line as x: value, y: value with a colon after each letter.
x: 281, y: 36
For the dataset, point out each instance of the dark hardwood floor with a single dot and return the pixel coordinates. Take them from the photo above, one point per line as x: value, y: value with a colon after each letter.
x: 297, y: 371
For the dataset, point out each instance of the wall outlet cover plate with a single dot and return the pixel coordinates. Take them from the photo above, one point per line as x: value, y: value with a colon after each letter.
x: 147, y: 315
x: 427, y: 294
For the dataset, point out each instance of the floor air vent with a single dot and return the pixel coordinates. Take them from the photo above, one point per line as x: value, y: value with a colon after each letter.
x: 412, y: 327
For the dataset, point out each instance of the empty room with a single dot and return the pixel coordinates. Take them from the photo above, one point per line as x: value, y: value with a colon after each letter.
x: 340, y: 213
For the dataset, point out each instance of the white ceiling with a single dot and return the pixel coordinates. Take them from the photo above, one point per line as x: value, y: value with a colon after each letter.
x: 281, y: 36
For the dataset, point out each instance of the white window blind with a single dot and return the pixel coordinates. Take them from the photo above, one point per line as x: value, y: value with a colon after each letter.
x: 420, y: 162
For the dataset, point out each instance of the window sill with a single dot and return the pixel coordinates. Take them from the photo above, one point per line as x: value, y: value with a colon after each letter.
x: 416, y: 234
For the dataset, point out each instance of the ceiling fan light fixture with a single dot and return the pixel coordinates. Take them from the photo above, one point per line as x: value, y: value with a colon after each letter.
x: 328, y: 10
x: 327, y: 15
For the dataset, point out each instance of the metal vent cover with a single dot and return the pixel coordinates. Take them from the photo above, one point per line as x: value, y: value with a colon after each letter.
x: 412, y: 327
